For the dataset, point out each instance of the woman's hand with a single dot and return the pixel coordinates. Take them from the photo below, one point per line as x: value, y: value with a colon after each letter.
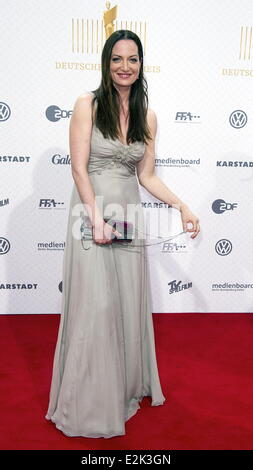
x: 102, y: 233
x: 187, y: 216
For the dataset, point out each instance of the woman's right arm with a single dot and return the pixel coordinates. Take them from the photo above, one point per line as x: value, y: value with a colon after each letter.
x: 80, y: 130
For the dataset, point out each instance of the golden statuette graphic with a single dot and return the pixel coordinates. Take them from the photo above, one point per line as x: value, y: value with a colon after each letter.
x: 89, y: 34
x: 109, y: 16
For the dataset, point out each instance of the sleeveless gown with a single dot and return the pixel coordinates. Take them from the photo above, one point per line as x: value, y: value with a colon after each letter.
x: 105, y: 359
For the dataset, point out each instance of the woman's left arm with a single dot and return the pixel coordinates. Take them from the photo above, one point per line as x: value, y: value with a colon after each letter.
x: 155, y: 186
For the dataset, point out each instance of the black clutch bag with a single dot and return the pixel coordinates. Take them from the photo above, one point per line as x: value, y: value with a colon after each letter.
x: 122, y: 226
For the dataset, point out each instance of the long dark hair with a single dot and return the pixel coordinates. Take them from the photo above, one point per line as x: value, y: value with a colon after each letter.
x: 107, y: 111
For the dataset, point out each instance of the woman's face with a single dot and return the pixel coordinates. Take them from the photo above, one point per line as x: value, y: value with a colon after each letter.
x: 125, y: 63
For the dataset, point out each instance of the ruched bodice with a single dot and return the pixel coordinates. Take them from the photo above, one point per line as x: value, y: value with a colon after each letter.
x: 112, y: 154
x: 112, y: 169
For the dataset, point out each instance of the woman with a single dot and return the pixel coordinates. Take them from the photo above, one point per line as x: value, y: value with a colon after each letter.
x: 105, y: 360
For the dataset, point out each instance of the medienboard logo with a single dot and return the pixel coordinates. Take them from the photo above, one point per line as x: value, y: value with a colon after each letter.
x: 51, y: 246
x: 176, y: 162
x: 232, y: 286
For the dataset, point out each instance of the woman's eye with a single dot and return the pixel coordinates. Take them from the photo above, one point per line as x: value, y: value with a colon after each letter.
x: 116, y: 59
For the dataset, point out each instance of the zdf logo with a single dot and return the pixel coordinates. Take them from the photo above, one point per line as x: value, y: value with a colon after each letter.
x: 54, y: 113
x: 219, y: 206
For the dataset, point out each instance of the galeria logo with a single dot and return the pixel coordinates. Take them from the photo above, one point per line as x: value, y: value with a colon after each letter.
x: 58, y: 159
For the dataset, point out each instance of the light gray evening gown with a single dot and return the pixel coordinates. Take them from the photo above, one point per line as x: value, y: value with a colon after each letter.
x: 105, y: 359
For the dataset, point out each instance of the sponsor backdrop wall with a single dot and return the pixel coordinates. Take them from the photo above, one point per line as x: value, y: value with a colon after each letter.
x: 198, y: 64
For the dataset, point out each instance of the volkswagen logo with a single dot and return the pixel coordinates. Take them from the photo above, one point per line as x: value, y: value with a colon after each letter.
x: 5, y: 111
x: 4, y: 245
x: 238, y: 119
x: 223, y: 247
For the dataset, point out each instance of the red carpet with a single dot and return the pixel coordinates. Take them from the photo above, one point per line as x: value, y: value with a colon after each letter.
x: 206, y: 368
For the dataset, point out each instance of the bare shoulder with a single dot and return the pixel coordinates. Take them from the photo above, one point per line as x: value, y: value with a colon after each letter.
x: 86, y: 96
x: 82, y: 105
x: 151, y: 117
x: 152, y: 122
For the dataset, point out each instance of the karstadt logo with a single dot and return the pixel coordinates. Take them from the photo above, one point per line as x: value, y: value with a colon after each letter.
x: 223, y: 247
x: 14, y: 159
x: 19, y: 286
x: 154, y: 204
x: 235, y: 164
x: 4, y: 246
x: 219, y: 206
x: 54, y: 113
x: 5, y: 111
x: 238, y: 119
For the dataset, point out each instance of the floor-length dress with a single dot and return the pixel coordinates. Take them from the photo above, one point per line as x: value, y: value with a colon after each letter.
x: 105, y: 358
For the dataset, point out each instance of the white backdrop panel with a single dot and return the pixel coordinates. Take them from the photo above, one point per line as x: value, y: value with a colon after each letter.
x: 198, y: 61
